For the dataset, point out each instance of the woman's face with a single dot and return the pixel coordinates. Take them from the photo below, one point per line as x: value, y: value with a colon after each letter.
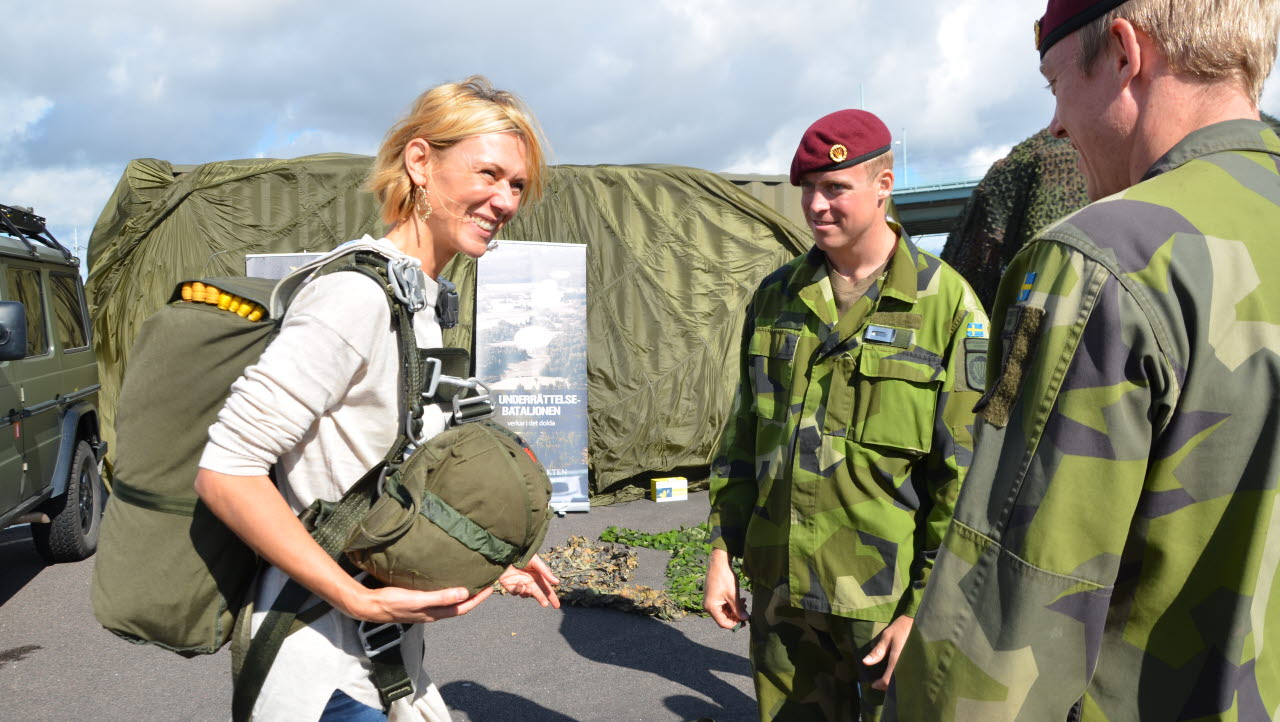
x: 474, y: 188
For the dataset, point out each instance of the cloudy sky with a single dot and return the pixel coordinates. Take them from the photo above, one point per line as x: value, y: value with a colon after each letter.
x: 88, y: 85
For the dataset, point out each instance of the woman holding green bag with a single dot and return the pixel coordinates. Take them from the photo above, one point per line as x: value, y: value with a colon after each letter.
x: 321, y: 404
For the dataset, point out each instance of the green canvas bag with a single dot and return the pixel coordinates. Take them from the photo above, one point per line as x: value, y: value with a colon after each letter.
x: 169, y: 573
x: 466, y: 505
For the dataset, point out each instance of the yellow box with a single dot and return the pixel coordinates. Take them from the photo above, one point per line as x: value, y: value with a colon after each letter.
x: 669, y: 488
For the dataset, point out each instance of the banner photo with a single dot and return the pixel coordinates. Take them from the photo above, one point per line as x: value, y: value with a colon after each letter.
x: 531, y: 349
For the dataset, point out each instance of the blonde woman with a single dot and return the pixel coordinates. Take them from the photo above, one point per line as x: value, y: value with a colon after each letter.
x: 322, y: 403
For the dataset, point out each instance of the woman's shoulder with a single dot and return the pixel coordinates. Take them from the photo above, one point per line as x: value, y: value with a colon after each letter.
x: 347, y: 302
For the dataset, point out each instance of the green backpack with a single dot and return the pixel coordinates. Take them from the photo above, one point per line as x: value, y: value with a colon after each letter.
x: 453, y: 511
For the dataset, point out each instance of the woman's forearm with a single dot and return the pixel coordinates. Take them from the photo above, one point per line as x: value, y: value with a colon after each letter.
x: 253, y: 508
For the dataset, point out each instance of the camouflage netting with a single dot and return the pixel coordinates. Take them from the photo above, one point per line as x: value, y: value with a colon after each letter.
x: 598, y: 575
x: 1035, y: 185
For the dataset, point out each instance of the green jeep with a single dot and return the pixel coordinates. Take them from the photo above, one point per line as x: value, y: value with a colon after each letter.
x: 50, y: 448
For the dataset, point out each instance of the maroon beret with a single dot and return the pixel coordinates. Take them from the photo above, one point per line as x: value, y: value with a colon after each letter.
x: 1064, y: 17
x: 842, y: 139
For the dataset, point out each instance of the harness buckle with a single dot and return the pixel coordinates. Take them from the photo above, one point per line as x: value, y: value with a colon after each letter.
x: 406, y: 280
x: 377, y: 638
x: 434, y: 368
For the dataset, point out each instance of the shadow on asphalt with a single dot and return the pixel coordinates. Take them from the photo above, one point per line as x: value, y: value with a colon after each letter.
x: 479, y: 702
x: 19, y: 560
x: 647, y: 645
x: 671, y: 671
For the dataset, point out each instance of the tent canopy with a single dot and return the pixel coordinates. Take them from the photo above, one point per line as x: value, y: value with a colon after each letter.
x: 673, y: 255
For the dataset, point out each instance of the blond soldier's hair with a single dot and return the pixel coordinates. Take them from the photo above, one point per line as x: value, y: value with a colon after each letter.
x: 1208, y: 39
x: 878, y: 163
x: 444, y: 116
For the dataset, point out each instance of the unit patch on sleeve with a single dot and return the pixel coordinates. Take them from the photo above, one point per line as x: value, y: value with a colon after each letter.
x: 975, y: 363
x: 1021, y: 332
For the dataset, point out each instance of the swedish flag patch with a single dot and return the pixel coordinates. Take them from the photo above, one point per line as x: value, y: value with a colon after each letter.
x: 1027, y: 283
x: 976, y: 330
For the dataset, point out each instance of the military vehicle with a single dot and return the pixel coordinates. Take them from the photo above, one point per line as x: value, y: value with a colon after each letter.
x: 50, y: 445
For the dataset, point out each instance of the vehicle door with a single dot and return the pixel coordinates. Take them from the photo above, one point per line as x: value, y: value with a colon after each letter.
x: 69, y: 316
x: 12, y: 482
x: 40, y: 384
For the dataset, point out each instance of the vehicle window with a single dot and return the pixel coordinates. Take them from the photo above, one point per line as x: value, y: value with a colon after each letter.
x: 24, y: 286
x: 68, y: 320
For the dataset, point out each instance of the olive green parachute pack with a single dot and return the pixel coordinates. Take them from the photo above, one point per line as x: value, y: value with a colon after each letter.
x: 452, y: 510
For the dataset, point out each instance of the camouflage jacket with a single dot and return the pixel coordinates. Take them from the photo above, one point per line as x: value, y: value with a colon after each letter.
x: 1116, y: 545
x: 843, y: 456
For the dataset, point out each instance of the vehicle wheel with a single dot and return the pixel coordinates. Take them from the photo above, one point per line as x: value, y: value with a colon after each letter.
x: 76, y: 517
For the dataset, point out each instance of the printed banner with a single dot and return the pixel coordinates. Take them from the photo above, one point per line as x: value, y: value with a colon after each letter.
x: 531, y: 349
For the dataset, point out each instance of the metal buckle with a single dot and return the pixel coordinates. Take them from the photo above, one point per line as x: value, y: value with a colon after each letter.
x: 378, y: 639
x: 472, y: 408
x: 406, y: 282
x: 434, y: 368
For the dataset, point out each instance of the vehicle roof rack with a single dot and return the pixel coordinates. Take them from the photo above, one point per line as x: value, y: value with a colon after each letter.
x: 26, y: 226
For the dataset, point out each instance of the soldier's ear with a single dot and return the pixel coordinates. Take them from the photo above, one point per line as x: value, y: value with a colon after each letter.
x: 884, y: 183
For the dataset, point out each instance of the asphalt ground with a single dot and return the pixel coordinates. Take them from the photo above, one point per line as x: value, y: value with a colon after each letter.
x: 509, y: 659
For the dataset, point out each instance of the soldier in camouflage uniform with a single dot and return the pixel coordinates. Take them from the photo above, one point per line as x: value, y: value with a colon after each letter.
x: 851, y: 431
x: 1114, y: 553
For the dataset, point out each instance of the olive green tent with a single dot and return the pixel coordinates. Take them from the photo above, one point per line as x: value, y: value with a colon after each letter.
x: 673, y: 255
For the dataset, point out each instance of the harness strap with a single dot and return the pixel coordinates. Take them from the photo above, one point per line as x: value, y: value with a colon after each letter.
x: 333, y: 523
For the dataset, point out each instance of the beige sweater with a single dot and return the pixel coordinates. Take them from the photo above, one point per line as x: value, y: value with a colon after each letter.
x: 323, y: 399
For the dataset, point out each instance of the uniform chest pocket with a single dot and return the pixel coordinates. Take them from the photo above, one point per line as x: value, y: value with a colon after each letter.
x: 770, y: 354
x: 896, y: 398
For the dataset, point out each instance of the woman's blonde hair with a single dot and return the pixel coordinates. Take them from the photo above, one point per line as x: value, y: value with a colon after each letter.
x: 1208, y: 39
x: 443, y: 116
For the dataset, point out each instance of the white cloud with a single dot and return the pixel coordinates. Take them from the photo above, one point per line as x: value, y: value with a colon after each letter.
x: 21, y: 116
x: 722, y: 84
x: 69, y: 197
x: 774, y: 156
x: 983, y: 56
x: 312, y: 141
x: 981, y: 158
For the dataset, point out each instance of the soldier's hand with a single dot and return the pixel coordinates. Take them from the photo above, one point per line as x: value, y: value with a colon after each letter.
x: 889, y: 646
x: 720, y: 594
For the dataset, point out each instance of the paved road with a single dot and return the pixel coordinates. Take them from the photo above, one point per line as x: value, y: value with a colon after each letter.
x: 507, y: 660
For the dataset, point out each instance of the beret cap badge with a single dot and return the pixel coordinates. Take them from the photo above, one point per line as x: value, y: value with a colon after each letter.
x: 840, y: 140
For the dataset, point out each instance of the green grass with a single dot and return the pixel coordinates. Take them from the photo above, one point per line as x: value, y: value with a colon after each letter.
x: 689, y: 547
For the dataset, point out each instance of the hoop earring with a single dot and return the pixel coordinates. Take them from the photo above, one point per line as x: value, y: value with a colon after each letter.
x: 421, y: 203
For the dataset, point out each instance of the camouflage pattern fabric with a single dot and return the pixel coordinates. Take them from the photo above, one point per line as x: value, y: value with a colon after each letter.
x: 808, y: 666
x: 1035, y: 185
x: 839, y: 468
x: 1116, y: 546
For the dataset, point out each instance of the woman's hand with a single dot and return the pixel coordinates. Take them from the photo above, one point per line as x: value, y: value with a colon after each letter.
x: 535, y: 580
x: 253, y: 508
x: 410, y: 606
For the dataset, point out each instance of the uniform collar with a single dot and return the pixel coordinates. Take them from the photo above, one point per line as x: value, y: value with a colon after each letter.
x: 899, y: 282
x: 1229, y: 135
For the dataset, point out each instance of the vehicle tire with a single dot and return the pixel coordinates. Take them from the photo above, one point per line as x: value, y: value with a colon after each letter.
x: 75, y: 518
